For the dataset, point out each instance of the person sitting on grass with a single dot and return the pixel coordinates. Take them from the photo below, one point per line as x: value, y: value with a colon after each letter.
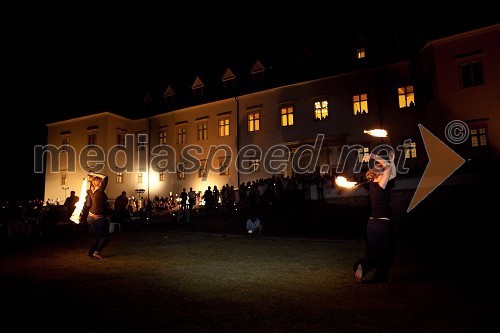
x: 254, y: 226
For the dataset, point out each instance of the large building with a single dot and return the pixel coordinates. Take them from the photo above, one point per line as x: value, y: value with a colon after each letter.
x: 231, y: 139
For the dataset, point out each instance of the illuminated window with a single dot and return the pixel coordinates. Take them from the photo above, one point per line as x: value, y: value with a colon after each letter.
x: 360, y: 103
x: 362, y: 152
x: 410, y: 149
x: 320, y: 110
x: 202, y: 171
x: 119, y: 177
x: 360, y: 53
x: 64, y: 179
x: 139, y: 177
x: 255, y: 165
x: 406, y: 97
x: 224, y: 126
x: 92, y: 139
x: 471, y: 73
x: 478, y: 137
x: 181, y: 134
x: 203, y: 130
x: 163, y: 136
x: 287, y: 115
x: 161, y: 176
x: 180, y: 171
x: 254, y: 121
x: 224, y: 165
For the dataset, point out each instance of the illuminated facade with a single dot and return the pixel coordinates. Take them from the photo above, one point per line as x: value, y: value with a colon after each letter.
x: 449, y: 84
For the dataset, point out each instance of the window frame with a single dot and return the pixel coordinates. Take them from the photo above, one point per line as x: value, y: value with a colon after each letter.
x: 221, y: 126
x: 287, y: 115
x: 255, y: 122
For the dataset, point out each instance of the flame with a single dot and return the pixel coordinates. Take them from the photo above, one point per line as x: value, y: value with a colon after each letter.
x: 75, y: 217
x: 343, y: 182
x: 379, y: 133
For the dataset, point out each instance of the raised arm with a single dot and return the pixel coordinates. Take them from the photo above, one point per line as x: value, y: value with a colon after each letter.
x: 389, y: 169
x: 104, y: 179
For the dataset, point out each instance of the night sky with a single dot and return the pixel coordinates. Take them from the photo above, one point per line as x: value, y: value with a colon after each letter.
x: 63, y: 68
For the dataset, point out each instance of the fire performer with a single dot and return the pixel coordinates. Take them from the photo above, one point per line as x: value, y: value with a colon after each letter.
x: 380, y: 240
x: 97, y: 219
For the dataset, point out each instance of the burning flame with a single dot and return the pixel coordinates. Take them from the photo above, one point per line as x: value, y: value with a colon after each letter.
x: 343, y: 182
x: 75, y: 217
x: 379, y: 133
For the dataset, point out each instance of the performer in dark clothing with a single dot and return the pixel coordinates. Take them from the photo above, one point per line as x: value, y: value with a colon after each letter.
x: 380, y: 240
x: 97, y: 219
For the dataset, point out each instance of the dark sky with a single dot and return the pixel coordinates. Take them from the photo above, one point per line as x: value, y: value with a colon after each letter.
x: 70, y: 66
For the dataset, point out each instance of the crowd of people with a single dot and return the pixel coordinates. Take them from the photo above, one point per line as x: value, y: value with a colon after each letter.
x: 133, y: 211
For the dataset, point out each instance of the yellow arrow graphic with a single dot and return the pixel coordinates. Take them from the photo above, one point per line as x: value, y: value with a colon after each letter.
x: 443, y: 161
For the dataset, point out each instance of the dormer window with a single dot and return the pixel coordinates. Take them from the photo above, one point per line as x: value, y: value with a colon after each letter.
x: 169, y: 94
x: 229, y: 80
x: 198, y: 87
x: 257, y: 72
x: 360, y: 53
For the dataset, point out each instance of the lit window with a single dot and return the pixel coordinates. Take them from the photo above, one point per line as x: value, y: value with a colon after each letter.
x: 203, y: 130
x: 410, y: 149
x: 161, y: 176
x: 360, y: 103
x: 163, y: 137
x: 119, y: 177
x: 472, y: 74
x: 253, y: 121
x: 224, y: 165
x: 362, y: 152
x: 478, y: 137
x: 320, y: 110
x: 287, y: 115
x: 139, y: 177
x: 406, y: 97
x: 224, y: 126
x: 254, y: 165
x: 202, y: 171
x: 360, y: 53
x: 181, y: 134
x: 64, y: 179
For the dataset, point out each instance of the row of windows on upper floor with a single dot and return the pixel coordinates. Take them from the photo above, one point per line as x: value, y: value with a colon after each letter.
x: 406, y: 99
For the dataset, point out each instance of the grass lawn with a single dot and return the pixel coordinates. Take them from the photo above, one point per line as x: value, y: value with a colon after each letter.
x: 160, y: 280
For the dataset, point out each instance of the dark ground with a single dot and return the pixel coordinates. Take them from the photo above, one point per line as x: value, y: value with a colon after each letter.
x: 209, y: 277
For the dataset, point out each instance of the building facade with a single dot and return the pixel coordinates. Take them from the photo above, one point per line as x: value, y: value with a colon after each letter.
x: 279, y: 131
